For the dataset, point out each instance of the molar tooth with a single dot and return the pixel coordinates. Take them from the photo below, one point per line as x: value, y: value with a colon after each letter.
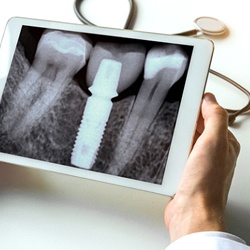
x: 63, y: 42
x: 52, y: 70
x: 109, y: 72
x: 155, y: 62
x: 66, y: 52
x: 164, y: 65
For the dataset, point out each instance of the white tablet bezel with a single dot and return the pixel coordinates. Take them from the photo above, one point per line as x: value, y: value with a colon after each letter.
x: 187, y: 115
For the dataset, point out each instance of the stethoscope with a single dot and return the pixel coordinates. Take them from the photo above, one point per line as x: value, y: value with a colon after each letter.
x: 202, y: 25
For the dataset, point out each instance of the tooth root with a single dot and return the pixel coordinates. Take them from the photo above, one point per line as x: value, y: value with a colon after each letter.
x: 164, y: 66
x: 56, y: 61
x: 96, y: 114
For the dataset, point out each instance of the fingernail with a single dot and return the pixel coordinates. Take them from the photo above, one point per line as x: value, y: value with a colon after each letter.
x: 209, y: 97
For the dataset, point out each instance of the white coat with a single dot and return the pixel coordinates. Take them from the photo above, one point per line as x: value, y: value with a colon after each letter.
x: 209, y: 241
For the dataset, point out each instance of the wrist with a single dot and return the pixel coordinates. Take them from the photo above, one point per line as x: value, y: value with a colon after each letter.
x: 191, y: 216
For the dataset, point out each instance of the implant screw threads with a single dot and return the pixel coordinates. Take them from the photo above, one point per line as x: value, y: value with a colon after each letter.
x: 96, y: 114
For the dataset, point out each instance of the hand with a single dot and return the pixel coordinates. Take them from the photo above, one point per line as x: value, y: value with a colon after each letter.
x: 199, y: 204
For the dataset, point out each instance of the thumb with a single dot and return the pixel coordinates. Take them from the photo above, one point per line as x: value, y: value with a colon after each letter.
x: 215, y: 117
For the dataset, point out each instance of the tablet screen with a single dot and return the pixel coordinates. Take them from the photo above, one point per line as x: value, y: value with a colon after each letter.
x: 94, y: 102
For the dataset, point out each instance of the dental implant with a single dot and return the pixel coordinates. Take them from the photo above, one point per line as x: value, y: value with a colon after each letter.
x: 110, y: 71
x: 96, y: 114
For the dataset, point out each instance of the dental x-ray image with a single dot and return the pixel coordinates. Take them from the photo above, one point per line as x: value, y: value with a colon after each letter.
x: 95, y: 102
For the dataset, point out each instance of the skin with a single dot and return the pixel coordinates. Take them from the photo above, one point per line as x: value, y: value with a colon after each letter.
x: 200, y: 201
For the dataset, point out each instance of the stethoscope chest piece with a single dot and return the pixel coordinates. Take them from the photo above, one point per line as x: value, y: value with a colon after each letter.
x: 210, y: 26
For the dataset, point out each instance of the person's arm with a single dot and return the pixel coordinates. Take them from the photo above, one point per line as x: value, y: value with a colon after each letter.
x: 200, y: 201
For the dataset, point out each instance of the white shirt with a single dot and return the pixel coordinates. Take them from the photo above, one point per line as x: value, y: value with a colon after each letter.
x: 209, y: 241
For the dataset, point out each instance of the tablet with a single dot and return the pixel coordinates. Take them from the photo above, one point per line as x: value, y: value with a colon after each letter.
x: 116, y: 106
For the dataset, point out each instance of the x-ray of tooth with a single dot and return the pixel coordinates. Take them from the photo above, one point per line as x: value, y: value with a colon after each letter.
x: 164, y: 66
x: 54, y: 77
x: 109, y: 72
x: 59, y: 56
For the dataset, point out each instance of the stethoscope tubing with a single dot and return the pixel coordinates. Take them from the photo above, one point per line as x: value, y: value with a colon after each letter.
x: 77, y: 10
x: 233, y: 113
x: 77, y: 7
